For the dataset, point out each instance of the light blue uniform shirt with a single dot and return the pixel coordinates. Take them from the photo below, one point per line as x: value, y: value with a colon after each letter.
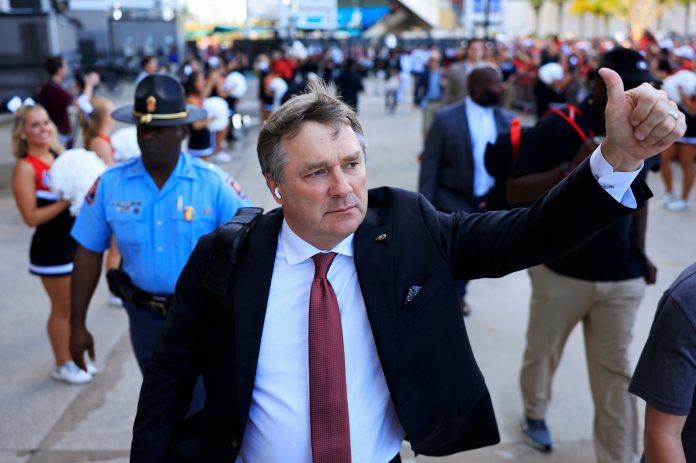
x: 156, y: 230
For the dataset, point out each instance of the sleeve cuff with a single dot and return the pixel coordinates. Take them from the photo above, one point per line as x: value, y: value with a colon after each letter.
x: 616, y: 184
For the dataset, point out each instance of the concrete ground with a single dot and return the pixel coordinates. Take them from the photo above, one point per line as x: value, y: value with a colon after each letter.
x: 43, y: 421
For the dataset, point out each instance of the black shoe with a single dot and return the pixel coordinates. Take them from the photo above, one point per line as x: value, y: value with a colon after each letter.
x: 537, y: 434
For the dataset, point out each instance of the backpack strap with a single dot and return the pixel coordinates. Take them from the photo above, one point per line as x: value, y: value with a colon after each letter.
x: 227, y: 241
x: 570, y: 119
x: 515, y: 136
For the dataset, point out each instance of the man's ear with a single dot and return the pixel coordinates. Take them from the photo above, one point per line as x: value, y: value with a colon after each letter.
x: 275, y: 190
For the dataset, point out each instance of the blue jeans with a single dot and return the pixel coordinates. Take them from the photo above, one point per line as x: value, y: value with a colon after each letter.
x: 145, y: 326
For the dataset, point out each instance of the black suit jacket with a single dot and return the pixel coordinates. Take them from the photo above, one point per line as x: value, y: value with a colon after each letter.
x: 435, y: 384
x: 447, y: 163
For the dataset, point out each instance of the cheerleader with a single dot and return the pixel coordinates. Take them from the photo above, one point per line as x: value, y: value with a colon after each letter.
x: 684, y: 151
x: 52, y: 250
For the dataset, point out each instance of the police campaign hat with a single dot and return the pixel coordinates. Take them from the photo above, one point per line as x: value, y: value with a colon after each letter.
x: 159, y: 101
x: 630, y: 65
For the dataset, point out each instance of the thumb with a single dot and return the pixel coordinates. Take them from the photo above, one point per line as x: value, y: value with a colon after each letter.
x: 615, y: 87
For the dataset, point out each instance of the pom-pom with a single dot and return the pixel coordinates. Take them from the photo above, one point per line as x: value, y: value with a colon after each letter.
x: 219, y: 110
x: 73, y: 173
x: 236, y: 84
x: 684, y: 79
x: 125, y: 143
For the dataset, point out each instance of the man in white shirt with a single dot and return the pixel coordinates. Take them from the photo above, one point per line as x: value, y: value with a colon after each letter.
x: 340, y: 333
x: 453, y: 175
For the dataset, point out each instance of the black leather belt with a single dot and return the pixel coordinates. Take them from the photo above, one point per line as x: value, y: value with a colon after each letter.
x: 121, y: 285
x: 158, y: 304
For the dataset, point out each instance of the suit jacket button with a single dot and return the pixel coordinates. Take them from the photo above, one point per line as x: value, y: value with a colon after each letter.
x: 234, y: 443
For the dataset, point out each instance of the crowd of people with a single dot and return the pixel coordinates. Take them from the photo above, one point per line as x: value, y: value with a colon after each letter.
x: 148, y: 213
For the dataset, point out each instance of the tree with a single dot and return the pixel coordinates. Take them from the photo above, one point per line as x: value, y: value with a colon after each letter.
x: 536, y: 6
x: 559, y: 18
x: 687, y: 15
x: 600, y: 9
x: 640, y: 14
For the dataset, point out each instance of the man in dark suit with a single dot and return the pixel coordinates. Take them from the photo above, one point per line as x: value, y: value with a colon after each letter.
x: 340, y: 333
x: 453, y: 175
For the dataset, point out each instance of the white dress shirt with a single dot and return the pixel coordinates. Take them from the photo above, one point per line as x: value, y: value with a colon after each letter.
x: 482, y: 129
x: 278, y: 428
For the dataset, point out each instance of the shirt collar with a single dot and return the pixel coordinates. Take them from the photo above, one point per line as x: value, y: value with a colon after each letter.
x: 472, y: 105
x: 298, y: 250
x: 183, y: 168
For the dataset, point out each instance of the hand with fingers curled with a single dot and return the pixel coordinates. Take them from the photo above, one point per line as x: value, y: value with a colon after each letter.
x: 640, y: 123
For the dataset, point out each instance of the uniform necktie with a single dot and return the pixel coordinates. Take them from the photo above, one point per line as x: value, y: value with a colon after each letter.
x: 328, y: 399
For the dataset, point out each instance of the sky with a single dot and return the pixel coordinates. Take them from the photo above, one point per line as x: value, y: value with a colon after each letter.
x: 209, y: 11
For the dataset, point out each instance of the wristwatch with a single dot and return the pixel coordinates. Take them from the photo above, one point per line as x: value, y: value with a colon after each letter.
x: 565, y: 168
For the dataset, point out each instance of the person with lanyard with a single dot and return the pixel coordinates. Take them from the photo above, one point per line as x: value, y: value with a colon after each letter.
x: 156, y: 207
x: 35, y: 147
x: 340, y: 333
x: 599, y: 284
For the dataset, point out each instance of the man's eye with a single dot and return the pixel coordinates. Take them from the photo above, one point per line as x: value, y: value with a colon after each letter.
x: 353, y: 165
x: 316, y: 173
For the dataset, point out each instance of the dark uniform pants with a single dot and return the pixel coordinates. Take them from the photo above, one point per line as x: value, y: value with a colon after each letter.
x: 145, y: 326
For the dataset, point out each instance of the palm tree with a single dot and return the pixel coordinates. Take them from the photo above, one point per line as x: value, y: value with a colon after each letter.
x: 596, y: 8
x: 559, y: 18
x: 687, y: 15
x: 536, y: 6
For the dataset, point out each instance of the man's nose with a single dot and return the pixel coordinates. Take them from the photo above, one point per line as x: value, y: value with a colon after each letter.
x: 339, y: 186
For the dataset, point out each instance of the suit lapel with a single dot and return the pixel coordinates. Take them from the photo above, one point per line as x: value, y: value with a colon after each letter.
x: 462, y: 128
x: 374, y: 266
x: 502, y: 122
x: 252, y: 287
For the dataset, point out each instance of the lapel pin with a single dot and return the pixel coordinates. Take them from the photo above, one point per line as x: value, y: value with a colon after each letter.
x: 381, y: 237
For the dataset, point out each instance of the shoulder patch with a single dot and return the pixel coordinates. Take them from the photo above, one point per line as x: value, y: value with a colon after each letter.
x: 236, y: 187
x: 89, y: 197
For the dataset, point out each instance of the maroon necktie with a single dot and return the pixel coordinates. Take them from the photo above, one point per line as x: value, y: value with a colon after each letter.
x: 328, y: 399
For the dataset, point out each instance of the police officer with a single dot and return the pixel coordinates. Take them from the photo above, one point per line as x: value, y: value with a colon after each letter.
x: 157, y: 206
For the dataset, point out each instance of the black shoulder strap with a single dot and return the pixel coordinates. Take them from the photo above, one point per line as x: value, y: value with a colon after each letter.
x: 227, y: 241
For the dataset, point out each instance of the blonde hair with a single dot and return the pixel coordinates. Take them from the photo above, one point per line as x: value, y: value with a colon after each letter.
x: 20, y: 146
x: 90, y: 125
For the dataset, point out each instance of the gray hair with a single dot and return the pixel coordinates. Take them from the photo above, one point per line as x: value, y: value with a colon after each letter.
x: 317, y: 105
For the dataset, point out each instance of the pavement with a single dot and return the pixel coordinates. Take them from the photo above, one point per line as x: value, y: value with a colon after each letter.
x: 44, y: 421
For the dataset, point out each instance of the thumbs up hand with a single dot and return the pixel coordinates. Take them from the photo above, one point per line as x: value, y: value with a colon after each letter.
x: 640, y: 123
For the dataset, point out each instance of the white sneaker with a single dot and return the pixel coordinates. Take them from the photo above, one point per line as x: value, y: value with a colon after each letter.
x: 71, y: 374
x: 115, y: 301
x: 666, y: 199
x: 678, y: 205
x: 220, y: 157
x: 92, y: 369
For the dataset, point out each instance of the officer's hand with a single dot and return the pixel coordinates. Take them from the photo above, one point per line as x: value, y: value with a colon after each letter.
x: 640, y: 122
x: 81, y: 341
x: 650, y: 272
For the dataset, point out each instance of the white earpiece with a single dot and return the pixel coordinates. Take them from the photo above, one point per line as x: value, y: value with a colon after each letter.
x: 277, y: 193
